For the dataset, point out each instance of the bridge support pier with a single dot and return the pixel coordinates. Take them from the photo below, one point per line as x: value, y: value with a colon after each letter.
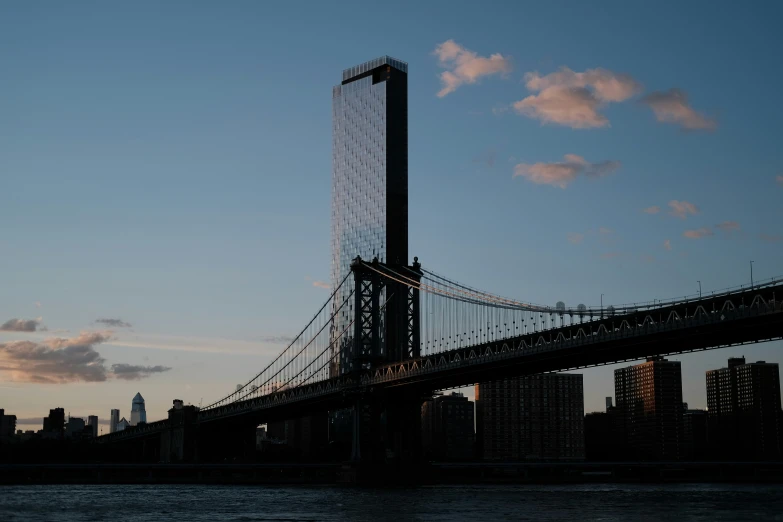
x: 386, y: 440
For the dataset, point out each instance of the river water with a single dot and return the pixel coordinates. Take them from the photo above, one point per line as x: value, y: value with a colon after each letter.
x: 482, y: 503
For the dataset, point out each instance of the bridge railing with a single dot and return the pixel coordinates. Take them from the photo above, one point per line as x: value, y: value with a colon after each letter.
x: 506, y: 349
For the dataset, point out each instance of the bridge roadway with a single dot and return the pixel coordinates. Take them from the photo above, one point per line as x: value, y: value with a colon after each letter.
x: 715, y: 321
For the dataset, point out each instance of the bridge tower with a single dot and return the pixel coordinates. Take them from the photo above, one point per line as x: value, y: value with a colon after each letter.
x: 386, y: 432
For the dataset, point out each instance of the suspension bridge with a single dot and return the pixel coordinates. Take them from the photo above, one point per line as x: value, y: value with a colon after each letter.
x: 391, y: 335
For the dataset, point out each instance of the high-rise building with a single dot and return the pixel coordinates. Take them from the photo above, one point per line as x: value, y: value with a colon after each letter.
x: 369, y: 177
x: 536, y: 417
x: 7, y: 424
x: 122, y: 424
x: 114, y: 419
x: 743, y: 410
x: 54, y: 424
x: 650, y: 409
x: 92, y: 422
x: 447, y: 427
x: 138, y: 412
x: 74, y: 427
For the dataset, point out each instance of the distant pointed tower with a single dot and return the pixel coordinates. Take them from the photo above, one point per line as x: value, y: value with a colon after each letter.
x: 138, y: 413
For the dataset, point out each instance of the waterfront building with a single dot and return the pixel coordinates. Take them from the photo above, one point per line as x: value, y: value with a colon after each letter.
x: 743, y: 410
x: 536, y: 417
x: 650, y: 410
x: 447, y: 426
x: 369, y: 195
x: 369, y: 176
x: 694, y: 435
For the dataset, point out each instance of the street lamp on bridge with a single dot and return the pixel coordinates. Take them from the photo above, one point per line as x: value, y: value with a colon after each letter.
x: 602, y: 306
x: 751, y: 275
x: 699, y: 289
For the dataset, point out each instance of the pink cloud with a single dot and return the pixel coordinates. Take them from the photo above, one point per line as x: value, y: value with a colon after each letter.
x: 573, y: 99
x: 610, y: 255
x: 698, y: 233
x: 465, y: 66
x: 561, y: 174
x: 667, y: 244
x: 64, y: 360
x: 771, y: 238
x: 321, y: 284
x: 652, y: 210
x: 681, y: 209
x: 779, y: 179
x: 728, y: 226
x: 575, y: 238
x: 672, y: 107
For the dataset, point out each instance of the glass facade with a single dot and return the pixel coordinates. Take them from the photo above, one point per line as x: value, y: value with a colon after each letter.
x: 369, y: 177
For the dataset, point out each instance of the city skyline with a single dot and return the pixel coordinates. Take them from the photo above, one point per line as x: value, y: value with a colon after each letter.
x: 201, y: 259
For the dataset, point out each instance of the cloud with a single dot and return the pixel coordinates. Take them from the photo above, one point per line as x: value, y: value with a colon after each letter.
x: 779, y: 179
x: 647, y: 258
x: 321, y: 284
x: 61, y: 360
x: 115, y: 323
x: 771, y: 238
x: 652, y: 210
x: 698, y: 233
x: 575, y: 238
x: 672, y: 107
x: 604, y: 230
x: 573, y: 99
x: 610, y: 255
x: 37, y: 304
x: 21, y: 325
x: 277, y: 339
x: 681, y: 209
x: 561, y: 174
x: 667, y: 244
x: 132, y: 372
x: 465, y: 66
x: 728, y: 226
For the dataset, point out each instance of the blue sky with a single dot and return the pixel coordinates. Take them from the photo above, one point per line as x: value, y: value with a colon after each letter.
x: 169, y: 165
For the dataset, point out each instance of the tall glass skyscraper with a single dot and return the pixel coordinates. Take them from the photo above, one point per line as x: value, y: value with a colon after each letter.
x: 369, y: 177
x: 138, y: 411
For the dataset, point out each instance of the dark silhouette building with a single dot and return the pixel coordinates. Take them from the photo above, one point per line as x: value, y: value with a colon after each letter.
x: 92, y: 422
x: 447, y: 428
x: 601, y: 434
x: 650, y: 410
x: 743, y: 404
x: 694, y: 435
x: 536, y: 417
x: 54, y: 424
x: 308, y: 435
x: 7, y: 424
